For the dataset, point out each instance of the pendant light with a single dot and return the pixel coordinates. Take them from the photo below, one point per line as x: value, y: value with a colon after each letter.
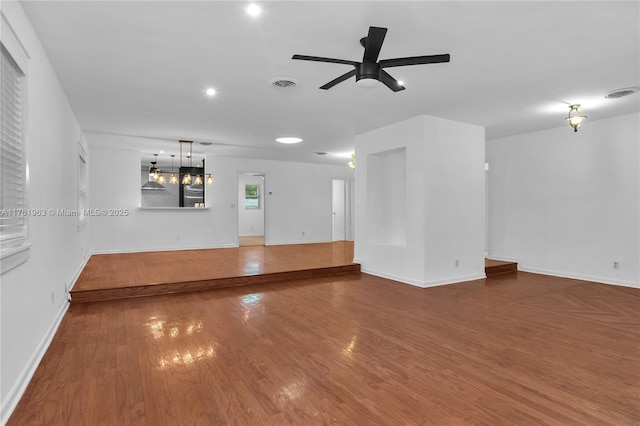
x: 187, y: 178
x: 173, y: 179
x: 154, y: 177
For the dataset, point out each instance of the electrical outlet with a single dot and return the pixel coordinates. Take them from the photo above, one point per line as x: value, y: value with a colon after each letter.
x: 457, y: 264
x: 616, y: 264
x: 302, y: 232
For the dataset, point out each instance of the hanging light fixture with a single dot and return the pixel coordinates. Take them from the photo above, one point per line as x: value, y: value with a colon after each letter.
x: 173, y: 179
x: 352, y: 163
x: 187, y: 178
x: 159, y: 176
x: 575, y: 118
x: 154, y: 175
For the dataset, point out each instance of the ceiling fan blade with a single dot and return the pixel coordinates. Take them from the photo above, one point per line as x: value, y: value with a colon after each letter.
x: 414, y: 60
x: 340, y: 79
x: 390, y: 82
x: 373, y: 44
x: 319, y: 59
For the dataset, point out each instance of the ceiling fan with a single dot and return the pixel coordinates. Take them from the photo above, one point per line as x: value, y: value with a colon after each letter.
x: 371, y: 71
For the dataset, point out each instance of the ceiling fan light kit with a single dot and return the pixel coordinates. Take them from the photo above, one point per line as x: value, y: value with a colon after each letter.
x: 370, y: 72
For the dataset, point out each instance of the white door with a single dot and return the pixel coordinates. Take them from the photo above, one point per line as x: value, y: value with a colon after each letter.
x: 339, y: 209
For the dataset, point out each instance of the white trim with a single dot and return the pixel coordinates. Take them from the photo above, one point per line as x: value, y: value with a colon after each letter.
x: 456, y: 280
x: 424, y: 284
x: 503, y: 258
x: 20, y: 385
x: 75, y: 277
x: 173, y: 209
x: 283, y: 243
x: 582, y: 277
x: 152, y: 249
x: 14, y: 45
x: 13, y: 257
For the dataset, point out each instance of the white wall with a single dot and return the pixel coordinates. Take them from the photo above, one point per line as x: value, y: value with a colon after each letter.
x: 250, y: 221
x: 444, y: 212
x: 298, y: 200
x: 33, y: 295
x: 565, y: 203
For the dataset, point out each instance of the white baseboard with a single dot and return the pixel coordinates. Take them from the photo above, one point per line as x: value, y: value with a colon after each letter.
x: 282, y: 243
x: 583, y: 277
x: 503, y: 258
x: 76, y: 275
x: 424, y: 284
x: 18, y: 388
x: 151, y: 249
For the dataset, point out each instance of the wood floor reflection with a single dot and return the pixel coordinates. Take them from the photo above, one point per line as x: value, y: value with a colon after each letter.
x: 355, y: 350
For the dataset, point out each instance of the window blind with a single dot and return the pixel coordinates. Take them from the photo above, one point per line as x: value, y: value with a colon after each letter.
x: 12, y: 168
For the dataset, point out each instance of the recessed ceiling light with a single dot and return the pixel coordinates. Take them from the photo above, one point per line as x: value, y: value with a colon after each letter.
x: 211, y: 91
x: 253, y: 10
x: 289, y: 139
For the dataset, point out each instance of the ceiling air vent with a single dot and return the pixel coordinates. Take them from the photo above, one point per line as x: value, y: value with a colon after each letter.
x: 283, y: 83
x: 620, y: 93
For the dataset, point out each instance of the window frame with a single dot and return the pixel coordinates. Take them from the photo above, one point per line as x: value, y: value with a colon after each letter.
x: 14, y: 250
x: 252, y: 197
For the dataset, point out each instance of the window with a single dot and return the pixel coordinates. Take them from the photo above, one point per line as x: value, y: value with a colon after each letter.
x: 13, y: 225
x: 251, y: 196
x: 82, y: 187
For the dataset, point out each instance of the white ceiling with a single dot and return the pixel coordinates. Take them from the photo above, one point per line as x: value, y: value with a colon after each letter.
x: 141, y: 68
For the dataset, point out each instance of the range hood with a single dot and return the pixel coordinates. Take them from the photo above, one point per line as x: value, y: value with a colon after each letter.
x: 152, y: 185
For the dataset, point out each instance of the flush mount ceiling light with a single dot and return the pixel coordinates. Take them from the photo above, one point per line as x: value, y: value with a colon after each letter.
x: 575, y: 118
x: 352, y: 163
x: 289, y: 139
x: 253, y: 10
x: 210, y: 91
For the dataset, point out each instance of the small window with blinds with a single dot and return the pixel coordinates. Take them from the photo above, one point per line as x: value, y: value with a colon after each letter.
x: 82, y: 187
x: 13, y: 213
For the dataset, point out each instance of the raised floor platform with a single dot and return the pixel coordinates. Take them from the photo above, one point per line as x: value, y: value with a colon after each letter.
x: 125, y: 275
x: 492, y: 267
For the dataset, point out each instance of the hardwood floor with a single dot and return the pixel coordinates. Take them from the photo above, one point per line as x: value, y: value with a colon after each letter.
x: 253, y: 240
x: 356, y: 350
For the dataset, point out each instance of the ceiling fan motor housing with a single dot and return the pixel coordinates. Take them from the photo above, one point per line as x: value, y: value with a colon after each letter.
x: 368, y: 70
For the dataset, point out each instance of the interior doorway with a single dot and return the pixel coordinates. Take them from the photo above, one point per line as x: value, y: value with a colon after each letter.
x: 251, y: 209
x: 339, y: 210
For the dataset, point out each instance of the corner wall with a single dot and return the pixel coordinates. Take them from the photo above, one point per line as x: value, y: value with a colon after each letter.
x: 567, y: 204
x: 443, y: 214
x: 33, y: 295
